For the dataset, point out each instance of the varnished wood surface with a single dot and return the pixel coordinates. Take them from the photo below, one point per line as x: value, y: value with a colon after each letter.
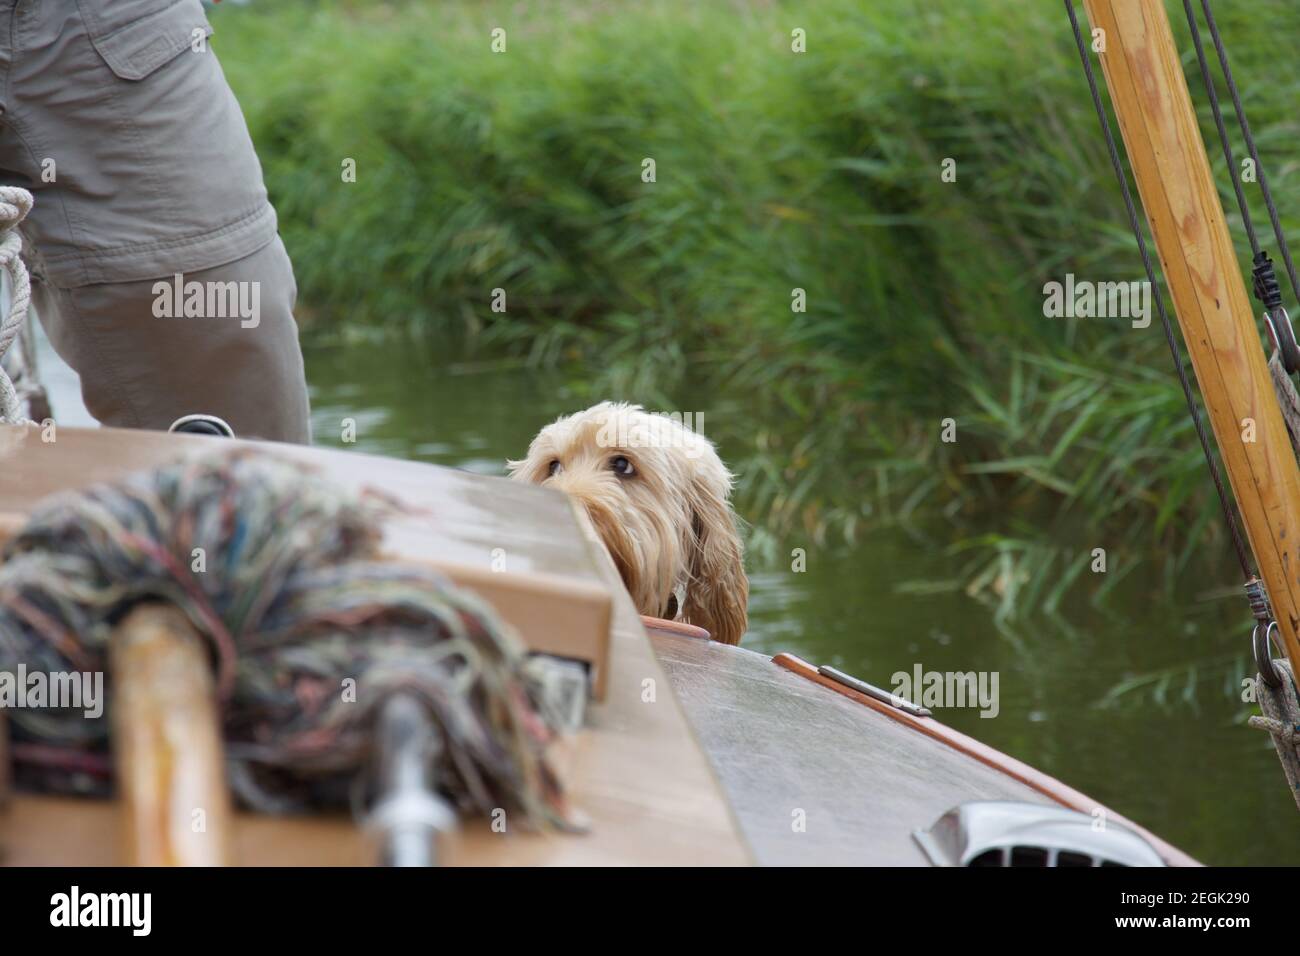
x: 1031, y: 777
x: 1144, y: 73
x: 862, y: 782
x: 171, y: 769
x: 658, y: 625
x: 864, y: 774
x: 516, y: 548
x: 636, y: 771
x: 66, y: 831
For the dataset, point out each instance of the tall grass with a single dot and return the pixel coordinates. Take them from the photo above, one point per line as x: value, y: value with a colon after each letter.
x: 775, y: 170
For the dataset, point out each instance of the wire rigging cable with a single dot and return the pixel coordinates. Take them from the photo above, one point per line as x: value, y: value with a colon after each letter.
x: 1229, y: 514
x: 1228, y: 156
x: 1283, y: 248
x: 1266, y: 286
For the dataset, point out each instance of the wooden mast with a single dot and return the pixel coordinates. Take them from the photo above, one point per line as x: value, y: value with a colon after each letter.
x: 1149, y: 94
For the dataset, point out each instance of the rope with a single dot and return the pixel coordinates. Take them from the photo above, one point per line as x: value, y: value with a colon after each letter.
x: 282, y: 575
x: 1288, y: 398
x: 1281, y: 720
x: 1229, y: 515
x: 15, y: 204
x: 1281, y: 709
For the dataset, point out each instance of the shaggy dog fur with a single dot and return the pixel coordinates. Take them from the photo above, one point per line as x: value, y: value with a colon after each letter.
x: 656, y: 494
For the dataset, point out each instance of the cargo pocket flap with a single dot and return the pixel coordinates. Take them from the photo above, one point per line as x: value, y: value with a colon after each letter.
x: 139, y: 48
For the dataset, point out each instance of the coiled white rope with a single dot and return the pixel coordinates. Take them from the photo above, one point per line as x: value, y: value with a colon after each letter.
x: 15, y: 204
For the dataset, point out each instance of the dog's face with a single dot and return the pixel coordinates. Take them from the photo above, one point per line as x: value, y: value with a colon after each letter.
x: 657, y: 495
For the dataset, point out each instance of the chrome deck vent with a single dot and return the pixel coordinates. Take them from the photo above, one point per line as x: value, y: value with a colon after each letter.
x: 1007, y: 833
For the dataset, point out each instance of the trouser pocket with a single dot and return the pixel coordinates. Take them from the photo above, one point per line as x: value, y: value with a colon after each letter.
x: 136, y: 37
x: 155, y: 172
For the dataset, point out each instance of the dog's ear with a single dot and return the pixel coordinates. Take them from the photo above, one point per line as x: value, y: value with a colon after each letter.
x: 717, y: 596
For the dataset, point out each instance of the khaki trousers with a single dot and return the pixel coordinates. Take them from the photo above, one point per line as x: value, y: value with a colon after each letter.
x: 159, y: 274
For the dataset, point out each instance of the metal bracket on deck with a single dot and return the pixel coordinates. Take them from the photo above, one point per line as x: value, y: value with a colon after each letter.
x: 566, y: 685
x: 884, y: 696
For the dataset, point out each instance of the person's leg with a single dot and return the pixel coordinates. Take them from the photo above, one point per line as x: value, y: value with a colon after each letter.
x: 118, y: 118
x: 140, y: 369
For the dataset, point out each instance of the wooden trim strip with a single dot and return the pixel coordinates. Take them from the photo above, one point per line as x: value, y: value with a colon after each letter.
x: 1035, y: 779
x: 680, y: 628
x: 167, y: 740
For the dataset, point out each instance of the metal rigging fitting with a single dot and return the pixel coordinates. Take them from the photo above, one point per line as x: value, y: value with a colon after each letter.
x: 408, y: 813
x: 1261, y: 643
x: 1276, y: 320
x: 1262, y: 636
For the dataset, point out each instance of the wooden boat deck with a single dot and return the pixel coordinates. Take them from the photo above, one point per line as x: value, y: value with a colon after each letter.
x: 711, y: 772
x: 864, y: 782
x: 635, y: 770
x: 782, y: 737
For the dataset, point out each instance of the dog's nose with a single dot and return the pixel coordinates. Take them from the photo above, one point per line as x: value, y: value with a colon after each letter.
x: 590, y: 494
x: 582, y: 487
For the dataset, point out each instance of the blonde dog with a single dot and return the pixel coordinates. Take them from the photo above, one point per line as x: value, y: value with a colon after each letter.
x: 656, y: 494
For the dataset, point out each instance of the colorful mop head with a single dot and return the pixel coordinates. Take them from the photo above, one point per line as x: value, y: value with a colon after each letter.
x: 281, y: 573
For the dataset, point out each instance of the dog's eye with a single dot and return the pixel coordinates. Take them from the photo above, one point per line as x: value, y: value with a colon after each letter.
x: 622, y: 467
x: 553, y: 468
